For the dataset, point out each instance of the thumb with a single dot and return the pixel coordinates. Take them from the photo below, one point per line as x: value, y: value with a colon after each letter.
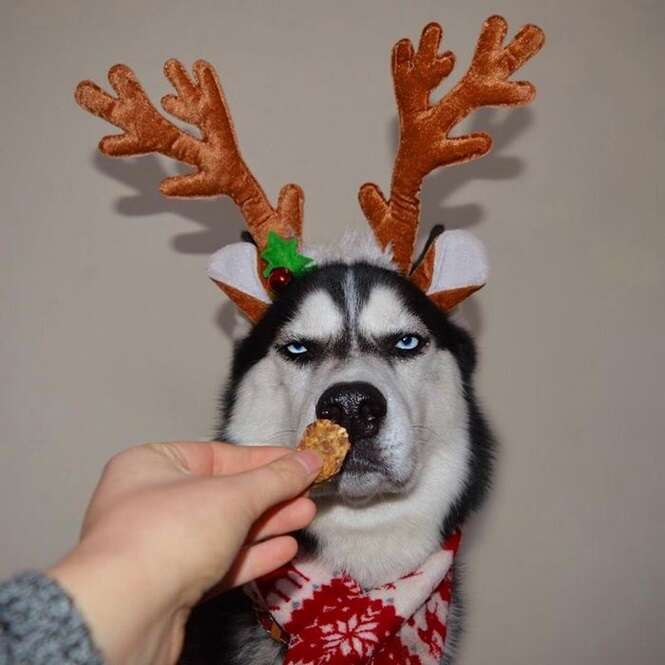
x: 281, y: 480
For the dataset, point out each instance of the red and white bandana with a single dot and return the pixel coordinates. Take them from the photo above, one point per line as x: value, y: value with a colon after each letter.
x: 329, y: 619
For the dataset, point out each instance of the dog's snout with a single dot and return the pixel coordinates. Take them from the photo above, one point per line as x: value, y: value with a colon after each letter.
x: 358, y: 406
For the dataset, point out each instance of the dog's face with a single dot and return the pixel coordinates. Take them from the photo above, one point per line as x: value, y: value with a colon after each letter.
x: 360, y: 345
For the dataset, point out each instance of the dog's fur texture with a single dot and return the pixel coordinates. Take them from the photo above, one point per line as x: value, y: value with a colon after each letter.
x: 400, y: 492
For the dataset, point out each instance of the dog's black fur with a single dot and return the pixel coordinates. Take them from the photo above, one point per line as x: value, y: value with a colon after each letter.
x: 212, y: 628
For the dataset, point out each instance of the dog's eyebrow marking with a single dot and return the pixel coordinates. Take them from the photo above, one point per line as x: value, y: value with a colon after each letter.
x: 317, y: 318
x: 385, y: 313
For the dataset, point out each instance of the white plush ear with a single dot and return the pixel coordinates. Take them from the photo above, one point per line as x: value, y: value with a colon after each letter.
x: 234, y: 269
x: 235, y: 265
x: 460, y: 268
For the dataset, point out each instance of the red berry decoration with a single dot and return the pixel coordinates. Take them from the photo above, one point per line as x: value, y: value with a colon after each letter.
x: 279, y: 279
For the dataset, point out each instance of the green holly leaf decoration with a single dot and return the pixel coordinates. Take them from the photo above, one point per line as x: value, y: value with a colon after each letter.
x: 283, y: 253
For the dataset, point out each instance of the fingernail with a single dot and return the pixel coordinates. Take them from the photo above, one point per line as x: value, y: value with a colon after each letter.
x: 310, y: 460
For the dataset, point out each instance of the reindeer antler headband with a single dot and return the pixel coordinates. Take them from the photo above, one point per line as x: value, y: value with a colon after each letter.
x: 219, y: 169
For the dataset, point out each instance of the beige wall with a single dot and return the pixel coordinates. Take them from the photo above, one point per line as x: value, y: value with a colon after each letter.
x: 110, y: 333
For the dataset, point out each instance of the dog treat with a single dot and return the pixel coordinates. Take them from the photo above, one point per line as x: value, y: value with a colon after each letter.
x: 331, y: 441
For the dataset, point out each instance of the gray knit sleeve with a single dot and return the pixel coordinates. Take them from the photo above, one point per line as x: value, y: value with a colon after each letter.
x: 40, y: 625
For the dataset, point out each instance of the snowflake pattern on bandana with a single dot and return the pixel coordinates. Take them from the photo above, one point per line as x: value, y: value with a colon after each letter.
x: 329, y: 619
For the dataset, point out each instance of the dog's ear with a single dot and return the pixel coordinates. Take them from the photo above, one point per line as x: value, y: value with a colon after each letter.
x: 233, y: 269
x: 458, y: 269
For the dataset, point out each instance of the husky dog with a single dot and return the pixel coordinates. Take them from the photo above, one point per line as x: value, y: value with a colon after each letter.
x: 356, y: 342
x: 362, y: 337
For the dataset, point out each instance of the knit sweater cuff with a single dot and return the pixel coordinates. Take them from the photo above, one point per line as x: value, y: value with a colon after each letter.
x: 40, y: 625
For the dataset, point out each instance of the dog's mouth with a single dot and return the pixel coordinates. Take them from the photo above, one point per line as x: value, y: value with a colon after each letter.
x: 364, y: 457
x: 358, y: 467
x: 364, y: 475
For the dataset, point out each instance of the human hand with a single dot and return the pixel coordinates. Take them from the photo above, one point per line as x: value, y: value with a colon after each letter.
x: 169, y: 521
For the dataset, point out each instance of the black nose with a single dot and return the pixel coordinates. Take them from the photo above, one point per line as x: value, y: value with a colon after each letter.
x: 357, y: 406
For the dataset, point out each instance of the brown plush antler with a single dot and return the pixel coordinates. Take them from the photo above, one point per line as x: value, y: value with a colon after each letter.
x: 425, y: 143
x: 219, y: 167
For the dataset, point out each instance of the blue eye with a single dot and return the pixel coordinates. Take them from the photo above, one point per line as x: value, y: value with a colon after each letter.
x: 408, y: 343
x: 296, y: 348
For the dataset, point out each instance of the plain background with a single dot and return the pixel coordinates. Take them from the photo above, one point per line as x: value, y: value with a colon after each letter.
x: 111, y: 334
